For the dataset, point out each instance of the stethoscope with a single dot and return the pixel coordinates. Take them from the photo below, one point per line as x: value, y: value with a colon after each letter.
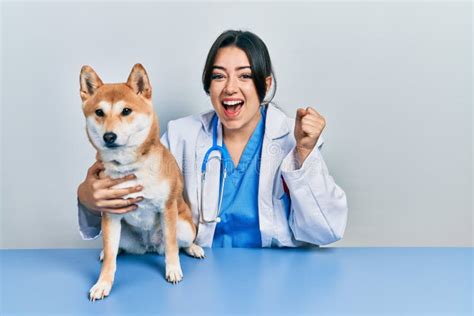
x: 215, y: 218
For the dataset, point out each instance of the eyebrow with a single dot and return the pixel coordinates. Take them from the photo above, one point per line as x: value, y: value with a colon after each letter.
x: 223, y: 68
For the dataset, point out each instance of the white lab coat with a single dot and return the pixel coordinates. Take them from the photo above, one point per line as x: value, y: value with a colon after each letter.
x: 317, y: 205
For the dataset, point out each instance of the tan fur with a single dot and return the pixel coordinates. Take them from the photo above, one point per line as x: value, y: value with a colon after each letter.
x: 108, y: 268
x: 136, y: 93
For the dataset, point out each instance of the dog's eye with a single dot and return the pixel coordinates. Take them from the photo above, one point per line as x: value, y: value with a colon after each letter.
x: 99, y: 112
x: 126, y: 111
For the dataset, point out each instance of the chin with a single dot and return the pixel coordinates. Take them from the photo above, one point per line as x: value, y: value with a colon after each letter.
x: 233, y: 124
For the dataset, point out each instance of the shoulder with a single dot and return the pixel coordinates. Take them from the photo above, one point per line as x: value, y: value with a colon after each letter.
x: 181, y: 136
x: 184, y: 132
x: 191, y: 121
x: 278, y: 124
x: 189, y: 124
x: 280, y: 115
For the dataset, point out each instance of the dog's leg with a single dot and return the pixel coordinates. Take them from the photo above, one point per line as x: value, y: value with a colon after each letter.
x: 169, y: 222
x: 101, y: 256
x: 111, y: 238
x: 186, y: 235
x: 195, y: 251
x: 187, y: 231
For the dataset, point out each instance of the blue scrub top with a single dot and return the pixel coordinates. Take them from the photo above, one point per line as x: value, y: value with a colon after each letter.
x: 239, y: 226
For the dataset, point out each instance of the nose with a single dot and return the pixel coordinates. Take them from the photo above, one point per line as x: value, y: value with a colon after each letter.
x: 231, y: 86
x: 109, y: 138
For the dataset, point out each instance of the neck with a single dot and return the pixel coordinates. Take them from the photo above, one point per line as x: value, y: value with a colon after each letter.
x: 241, y: 135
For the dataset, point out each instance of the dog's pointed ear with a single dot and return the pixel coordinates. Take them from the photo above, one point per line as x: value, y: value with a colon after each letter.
x: 90, y: 82
x: 139, y: 82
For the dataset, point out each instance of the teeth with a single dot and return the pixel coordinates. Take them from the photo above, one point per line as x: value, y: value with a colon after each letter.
x: 230, y: 103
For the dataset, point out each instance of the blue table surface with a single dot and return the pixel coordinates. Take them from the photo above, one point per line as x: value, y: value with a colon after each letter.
x: 324, y: 281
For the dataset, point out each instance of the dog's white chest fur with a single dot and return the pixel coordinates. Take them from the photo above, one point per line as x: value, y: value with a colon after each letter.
x: 155, y: 190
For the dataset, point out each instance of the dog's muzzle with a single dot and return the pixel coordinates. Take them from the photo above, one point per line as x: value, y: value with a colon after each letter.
x: 109, y: 139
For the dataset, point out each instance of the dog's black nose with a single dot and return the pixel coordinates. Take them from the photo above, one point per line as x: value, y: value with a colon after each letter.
x: 109, y: 138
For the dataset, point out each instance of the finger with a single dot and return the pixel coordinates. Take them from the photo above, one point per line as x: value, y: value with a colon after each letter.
x: 311, y: 122
x: 97, y: 156
x: 109, y: 182
x: 95, y: 168
x: 315, y: 115
x: 106, y: 193
x: 300, y: 113
x: 310, y: 130
x: 311, y: 110
x: 101, y: 174
x: 118, y: 193
x: 121, y: 210
x: 119, y: 203
x: 316, y: 119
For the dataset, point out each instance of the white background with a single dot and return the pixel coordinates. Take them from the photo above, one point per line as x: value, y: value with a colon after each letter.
x: 393, y: 80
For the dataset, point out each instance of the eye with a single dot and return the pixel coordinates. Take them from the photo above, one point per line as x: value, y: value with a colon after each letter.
x: 216, y: 76
x: 126, y: 111
x: 99, y: 113
x: 246, y: 76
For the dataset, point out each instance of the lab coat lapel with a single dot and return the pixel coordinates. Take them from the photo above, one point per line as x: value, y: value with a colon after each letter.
x: 212, y: 183
x: 273, y: 152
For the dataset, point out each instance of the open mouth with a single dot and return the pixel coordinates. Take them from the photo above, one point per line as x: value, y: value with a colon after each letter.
x: 113, y: 145
x: 232, y: 107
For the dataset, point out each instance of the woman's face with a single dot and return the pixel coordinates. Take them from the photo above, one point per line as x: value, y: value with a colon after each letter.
x: 232, y: 90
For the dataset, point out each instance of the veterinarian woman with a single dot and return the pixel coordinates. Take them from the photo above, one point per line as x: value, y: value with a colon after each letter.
x: 266, y: 183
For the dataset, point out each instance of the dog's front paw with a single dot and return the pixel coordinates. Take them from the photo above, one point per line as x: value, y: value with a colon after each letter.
x: 100, y: 290
x: 195, y: 251
x: 173, y: 274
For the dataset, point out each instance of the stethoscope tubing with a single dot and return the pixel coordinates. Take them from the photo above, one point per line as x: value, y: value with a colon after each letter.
x: 206, y: 159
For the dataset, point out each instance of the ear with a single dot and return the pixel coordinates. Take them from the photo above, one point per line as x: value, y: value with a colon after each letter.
x: 268, y: 83
x: 90, y: 82
x: 139, y: 82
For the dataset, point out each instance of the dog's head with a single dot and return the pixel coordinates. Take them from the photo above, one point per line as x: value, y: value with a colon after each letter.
x: 118, y: 116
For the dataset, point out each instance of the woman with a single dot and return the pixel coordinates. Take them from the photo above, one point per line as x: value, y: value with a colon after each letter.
x: 272, y: 187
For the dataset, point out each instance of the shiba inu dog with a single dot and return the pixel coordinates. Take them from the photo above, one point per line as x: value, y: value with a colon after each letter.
x: 122, y: 125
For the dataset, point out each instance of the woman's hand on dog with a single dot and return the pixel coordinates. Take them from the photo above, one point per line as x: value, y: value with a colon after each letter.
x: 96, y: 192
